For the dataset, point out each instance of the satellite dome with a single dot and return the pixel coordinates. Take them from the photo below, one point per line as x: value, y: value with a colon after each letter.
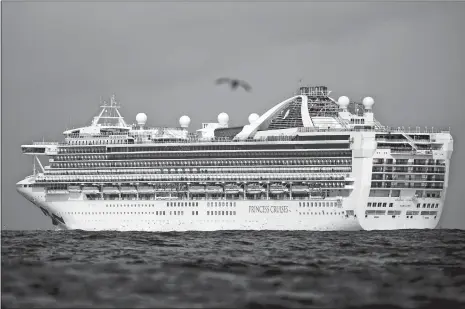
x: 141, y: 119
x: 368, y: 102
x: 223, y: 119
x: 253, y: 117
x: 184, y: 121
x: 343, y: 101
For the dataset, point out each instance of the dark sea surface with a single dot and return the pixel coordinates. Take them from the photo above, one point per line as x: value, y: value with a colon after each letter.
x: 246, y: 269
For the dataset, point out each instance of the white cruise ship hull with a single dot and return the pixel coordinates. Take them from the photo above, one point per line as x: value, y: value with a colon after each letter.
x: 212, y: 215
x: 157, y: 217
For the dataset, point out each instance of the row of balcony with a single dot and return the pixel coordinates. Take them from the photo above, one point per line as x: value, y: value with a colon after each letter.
x: 198, y: 177
x: 202, y: 170
x: 410, y: 170
x: 200, y: 163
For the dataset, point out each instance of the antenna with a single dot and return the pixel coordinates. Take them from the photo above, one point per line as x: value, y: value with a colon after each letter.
x: 113, y: 101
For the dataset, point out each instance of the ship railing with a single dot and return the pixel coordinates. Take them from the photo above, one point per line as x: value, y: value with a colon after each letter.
x: 181, y: 141
x: 405, y: 150
x: 379, y: 129
x: 330, y: 178
x: 424, y: 151
x: 106, y: 135
x: 227, y: 140
x: 272, y: 139
x: 149, y: 130
x: 45, y: 143
x: 208, y: 171
x: 385, y: 140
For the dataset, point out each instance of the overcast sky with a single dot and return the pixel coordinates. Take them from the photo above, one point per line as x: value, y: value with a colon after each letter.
x: 162, y: 59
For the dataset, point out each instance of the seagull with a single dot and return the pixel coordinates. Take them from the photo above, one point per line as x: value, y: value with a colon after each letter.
x: 234, y: 83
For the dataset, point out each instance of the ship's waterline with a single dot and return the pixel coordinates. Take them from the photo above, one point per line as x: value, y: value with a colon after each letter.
x: 308, y: 163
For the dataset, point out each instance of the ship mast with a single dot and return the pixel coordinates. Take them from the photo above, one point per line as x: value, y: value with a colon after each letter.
x: 109, y: 114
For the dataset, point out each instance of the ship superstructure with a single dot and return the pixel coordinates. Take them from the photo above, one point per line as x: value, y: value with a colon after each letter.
x: 308, y: 163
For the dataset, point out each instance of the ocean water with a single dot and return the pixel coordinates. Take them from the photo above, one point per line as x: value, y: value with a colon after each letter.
x: 246, y: 269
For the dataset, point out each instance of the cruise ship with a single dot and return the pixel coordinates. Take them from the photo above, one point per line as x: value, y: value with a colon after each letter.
x: 308, y: 163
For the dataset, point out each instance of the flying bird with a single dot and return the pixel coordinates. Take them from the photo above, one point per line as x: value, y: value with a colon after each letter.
x: 234, y: 83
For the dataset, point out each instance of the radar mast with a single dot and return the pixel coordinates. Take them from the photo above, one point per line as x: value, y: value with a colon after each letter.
x: 109, y: 115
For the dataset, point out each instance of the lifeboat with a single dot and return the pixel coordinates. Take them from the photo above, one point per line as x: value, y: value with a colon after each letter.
x: 90, y: 190
x: 233, y: 189
x: 300, y: 189
x: 146, y: 190
x: 128, y: 190
x: 278, y: 189
x: 57, y: 191
x: 255, y: 189
x: 111, y: 190
x: 166, y: 198
x: 197, y: 189
x: 214, y: 189
x: 74, y: 189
